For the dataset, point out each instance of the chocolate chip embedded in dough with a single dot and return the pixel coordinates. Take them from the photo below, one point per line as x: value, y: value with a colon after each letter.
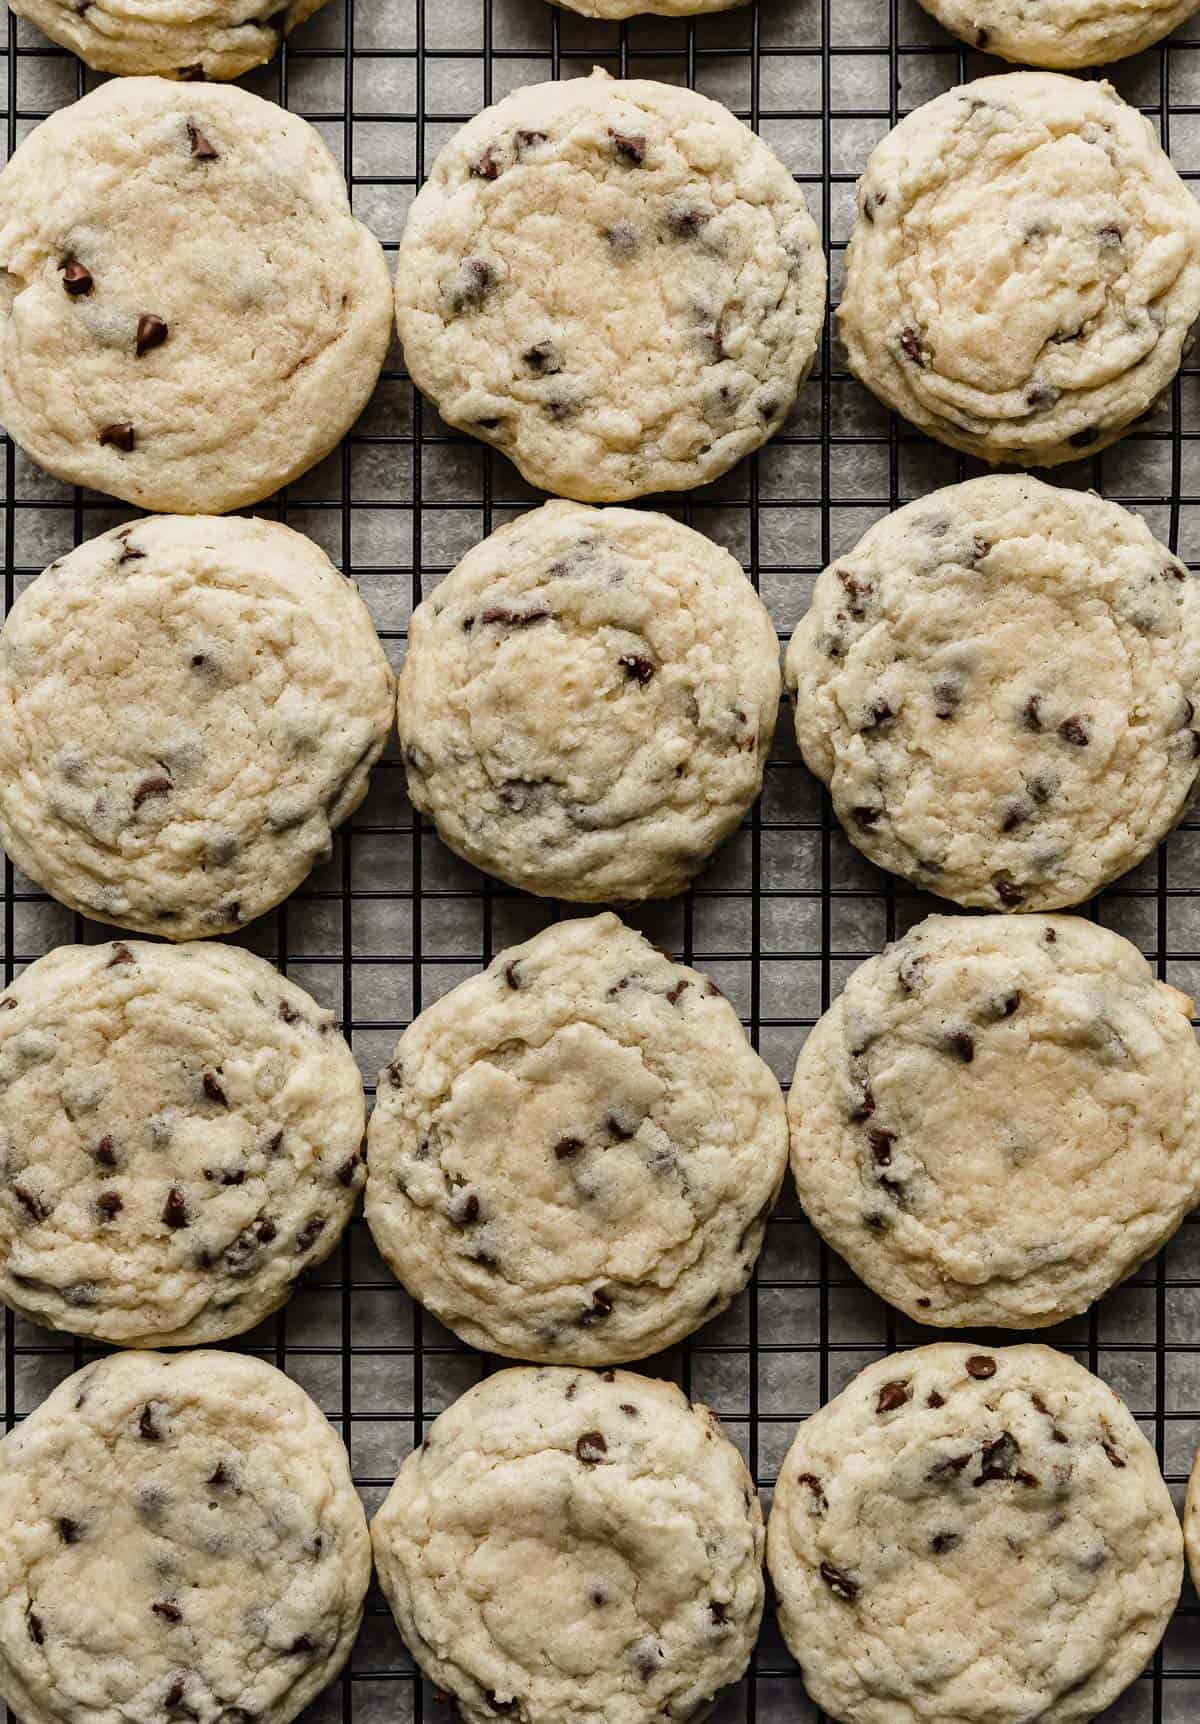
x: 893, y: 1395
x: 76, y: 279
x: 600, y: 1308
x: 109, y: 1204
x: 542, y: 359
x: 941, y: 1542
x: 629, y: 147
x: 841, y: 1584
x: 1075, y: 731
x: 152, y: 331
x: 203, y: 149
x: 961, y: 1044
x: 212, y: 1089
x: 591, y: 1448
x: 158, y: 785
x: 118, y: 435
x: 981, y: 1366
x: 175, y: 1210
x: 637, y: 669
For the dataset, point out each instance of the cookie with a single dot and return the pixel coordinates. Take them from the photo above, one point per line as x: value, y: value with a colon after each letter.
x: 588, y: 702
x: 969, y: 1535
x: 570, y: 1545
x: 181, y: 1129
x: 195, y: 317
x: 189, y: 706
x: 1191, y: 1523
x: 616, y: 283
x: 1066, y: 34
x: 187, y: 39
x: 998, y: 1119
x: 999, y: 685
x: 184, y: 1542
x: 573, y: 1155
x: 640, y: 8
x: 1024, y: 271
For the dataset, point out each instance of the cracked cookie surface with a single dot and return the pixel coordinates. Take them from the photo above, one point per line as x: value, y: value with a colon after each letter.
x: 588, y: 702
x: 616, y: 283
x: 195, y: 317
x: 1061, y: 33
x: 180, y: 1131
x: 1024, y: 272
x: 566, y: 1545
x: 999, y: 685
x: 971, y: 1535
x: 182, y: 1540
x: 190, y: 706
x: 997, y: 1119
x: 187, y: 39
x: 573, y: 1155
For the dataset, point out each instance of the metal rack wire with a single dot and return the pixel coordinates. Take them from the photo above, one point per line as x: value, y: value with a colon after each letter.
x: 789, y: 908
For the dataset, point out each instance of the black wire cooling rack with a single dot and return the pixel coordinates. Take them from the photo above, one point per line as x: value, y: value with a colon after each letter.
x: 788, y: 908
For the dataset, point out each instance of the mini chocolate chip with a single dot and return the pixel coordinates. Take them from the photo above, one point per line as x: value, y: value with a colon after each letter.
x: 839, y: 1582
x: 512, y: 975
x: 1074, y: 730
x: 309, y: 1233
x: 560, y: 408
x: 999, y: 1460
x: 8, y: 1004
x: 31, y: 1204
x: 218, y: 1476
x: 175, y: 1693
x: 109, y: 1203
x: 525, y: 140
x: 981, y: 1366
x: 1016, y: 814
x: 1113, y: 1453
x: 813, y: 1484
x: 1082, y: 439
x: 514, y: 619
x: 910, y: 343
x: 543, y: 359
x: 288, y: 1014
x: 618, y: 1128
x: 947, y: 697
x: 636, y: 669
x: 36, y: 1628
x: 675, y: 994
x: 303, y: 1643
x: 591, y: 1448
x: 193, y: 74
x: 622, y: 238
x: 893, y: 1395
x: 175, y: 1212
x: 686, y: 223
x: 1110, y: 237
x: 941, y: 1542
x: 464, y: 1210
x: 1041, y: 395
x: 486, y: 167
x: 151, y: 332
x: 947, y: 1467
x: 863, y: 1106
x: 148, y: 1428
x: 866, y: 816
x: 476, y: 279
x: 118, y: 435
x: 596, y: 1312
x: 212, y: 1089
x: 344, y: 1174
x: 167, y: 1609
x: 202, y: 149
x: 1007, y: 890
x: 629, y: 1409
x: 76, y: 279
x: 566, y: 1147
x: 719, y: 1613
x: 982, y: 38
x: 69, y: 1530
x: 881, y: 1143
x: 1032, y: 712
x: 629, y: 146
x: 962, y: 1045
x: 878, y: 714
x: 934, y: 1399
x: 156, y: 786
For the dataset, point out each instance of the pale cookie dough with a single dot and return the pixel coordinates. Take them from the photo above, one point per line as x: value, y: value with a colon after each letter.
x: 999, y: 1118
x: 187, y: 39
x: 641, y: 8
x: 1062, y: 33
x: 182, y: 1541
x: 188, y: 706
x: 972, y: 1535
x: 616, y: 283
x: 588, y: 703
x: 572, y: 1546
x: 999, y: 685
x: 180, y: 1129
x: 1024, y: 272
x: 194, y: 317
x: 1191, y: 1523
x: 573, y: 1155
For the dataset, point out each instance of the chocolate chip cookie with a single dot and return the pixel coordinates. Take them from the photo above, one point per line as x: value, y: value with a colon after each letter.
x: 1024, y: 272
x: 1000, y: 685
x: 615, y: 282
x: 195, y: 317
x: 187, y: 39
x: 588, y: 703
x: 998, y: 1119
x: 190, y: 706
x: 972, y: 1534
x: 571, y: 1545
x: 574, y: 1154
x: 640, y: 8
x: 184, y: 1543
x: 1062, y: 33
x: 181, y: 1129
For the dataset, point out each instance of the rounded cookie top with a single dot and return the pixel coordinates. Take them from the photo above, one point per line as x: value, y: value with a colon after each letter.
x: 181, y: 1129
x: 999, y: 685
x: 616, y: 283
x: 187, y: 39
x: 973, y: 1535
x: 1064, y: 33
x: 588, y: 702
x: 997, y: 1119
x: 184, y: 1541
x: 571, y: 1545
x: 642, y: 8
x: 573, y: 1154
x: 1024, y: 272
x: 195, y: 317
x: 190, y: 705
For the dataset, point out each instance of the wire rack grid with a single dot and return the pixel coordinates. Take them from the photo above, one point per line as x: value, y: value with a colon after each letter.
x: 788, y: 909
